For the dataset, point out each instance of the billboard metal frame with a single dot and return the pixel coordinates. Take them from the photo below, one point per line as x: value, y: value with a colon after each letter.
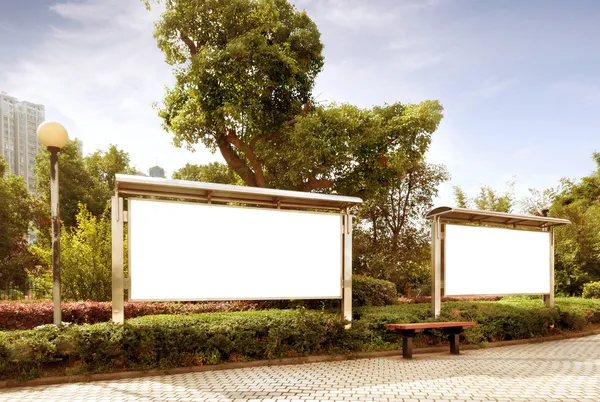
x: 131, y: 187
x: 446, y: 215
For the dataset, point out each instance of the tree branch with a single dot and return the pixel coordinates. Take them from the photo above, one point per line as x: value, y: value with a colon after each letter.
x: 259, y: 176
x: 235, y: 162
x: 406, y: 199
x: 190, y: 44
x: 313, y: 183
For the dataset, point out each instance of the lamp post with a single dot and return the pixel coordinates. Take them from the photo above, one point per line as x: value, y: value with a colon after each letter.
x: 54, y: 136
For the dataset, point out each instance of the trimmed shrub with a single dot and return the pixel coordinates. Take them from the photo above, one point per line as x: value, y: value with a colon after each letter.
x: 367, y: 291
x: 28, y: 315
x: 591, y: 290
x: 166, y: 341
x: 172, y: 341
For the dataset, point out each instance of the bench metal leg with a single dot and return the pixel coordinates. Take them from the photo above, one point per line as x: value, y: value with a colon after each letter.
x: 407, y: 344
x: 454, y: 343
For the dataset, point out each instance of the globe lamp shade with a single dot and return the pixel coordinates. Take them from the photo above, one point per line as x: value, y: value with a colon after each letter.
x: 52, y: 134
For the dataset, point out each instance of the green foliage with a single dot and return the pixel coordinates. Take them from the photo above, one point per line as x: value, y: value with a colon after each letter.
x: 88, y: 181
x: 577, y: 246
x: 85, y: 252
x: 15, y: 214
x: 393, y: 241
x: 510, y: 318
x: 487, y: 199
x: 243, y: 86
x: 365, y: 152
x: 214, y: 172
x: 538, y: 201
x: 591, y: 290
x: 175, y: 341
x: 75, y: 185
x: 236, y: 78
x: 460, y: 198
x: 372, y: 292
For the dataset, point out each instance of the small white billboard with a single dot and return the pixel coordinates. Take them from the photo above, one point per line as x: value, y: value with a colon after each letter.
x: 495, y: 261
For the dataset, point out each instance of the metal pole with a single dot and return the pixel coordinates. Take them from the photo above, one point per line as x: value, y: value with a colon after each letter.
x: 549, y: 299
x: 118, y: 311
x: 436, y: 268
x: 347, y: 269
x: 55, y: 233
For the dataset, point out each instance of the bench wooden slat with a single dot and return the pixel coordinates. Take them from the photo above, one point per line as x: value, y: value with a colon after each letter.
x: 431, y: 325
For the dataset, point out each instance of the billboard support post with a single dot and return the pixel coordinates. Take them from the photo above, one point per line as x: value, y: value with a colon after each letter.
x: 118, y: 312
x: 436, y: 267
x: 347, y: 269
x: 549, y: 298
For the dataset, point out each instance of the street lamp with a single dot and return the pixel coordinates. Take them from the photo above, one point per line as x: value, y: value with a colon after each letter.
x: 54, y: 136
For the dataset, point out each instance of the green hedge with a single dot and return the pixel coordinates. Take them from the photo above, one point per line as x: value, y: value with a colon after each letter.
x: 368, y: 291
x: 172, y: 341
x: 591, y: 290
x: 176, y: 341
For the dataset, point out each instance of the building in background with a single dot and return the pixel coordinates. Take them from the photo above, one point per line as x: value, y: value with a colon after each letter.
x: 19, y: 145
x: 157, y: 171
x: 79, y: 146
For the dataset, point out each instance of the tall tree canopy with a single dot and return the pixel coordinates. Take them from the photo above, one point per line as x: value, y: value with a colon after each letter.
x: 244, y: 69
x: 244, y: 73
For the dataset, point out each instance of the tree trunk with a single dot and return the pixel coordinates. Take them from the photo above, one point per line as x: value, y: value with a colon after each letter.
x: 235, y: 162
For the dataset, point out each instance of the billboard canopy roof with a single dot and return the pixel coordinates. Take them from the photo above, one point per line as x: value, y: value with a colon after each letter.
x: 463, y: 215
x: 154, y: 186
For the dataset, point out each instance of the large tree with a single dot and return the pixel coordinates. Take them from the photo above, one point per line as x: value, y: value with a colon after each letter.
x: 244, y: 69
x: 244, y: 73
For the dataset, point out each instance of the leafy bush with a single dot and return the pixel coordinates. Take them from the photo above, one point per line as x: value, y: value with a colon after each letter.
x: 85, y: 252
x: 172, y: 341
x: 591, y: 290
x: 509, y: 318
x: 165, y: 341
x: 368, y: 291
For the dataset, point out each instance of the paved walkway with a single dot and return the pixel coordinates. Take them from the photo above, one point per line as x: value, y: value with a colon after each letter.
x: 566, y: 370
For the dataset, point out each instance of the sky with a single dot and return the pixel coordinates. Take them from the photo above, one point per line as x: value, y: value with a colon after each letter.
x: 519, y: 80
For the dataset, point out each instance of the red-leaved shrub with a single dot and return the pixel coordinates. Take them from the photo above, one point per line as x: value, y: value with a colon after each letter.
x: 27, y: 315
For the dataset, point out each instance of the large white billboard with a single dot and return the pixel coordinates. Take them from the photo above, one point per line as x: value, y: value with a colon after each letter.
x: 184, y: 251
x: 492, y: 261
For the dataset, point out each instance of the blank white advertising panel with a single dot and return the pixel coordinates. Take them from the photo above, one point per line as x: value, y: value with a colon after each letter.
x: 492, y: 261
x: 180, y: 251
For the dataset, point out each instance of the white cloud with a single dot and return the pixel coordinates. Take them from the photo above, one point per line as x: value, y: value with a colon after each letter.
x: 99, y: 74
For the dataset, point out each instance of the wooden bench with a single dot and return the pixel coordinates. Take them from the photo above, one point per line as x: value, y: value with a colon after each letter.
x: 408, y: 331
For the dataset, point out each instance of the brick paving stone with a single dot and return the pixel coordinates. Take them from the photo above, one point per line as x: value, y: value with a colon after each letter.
x: 567, y: 370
